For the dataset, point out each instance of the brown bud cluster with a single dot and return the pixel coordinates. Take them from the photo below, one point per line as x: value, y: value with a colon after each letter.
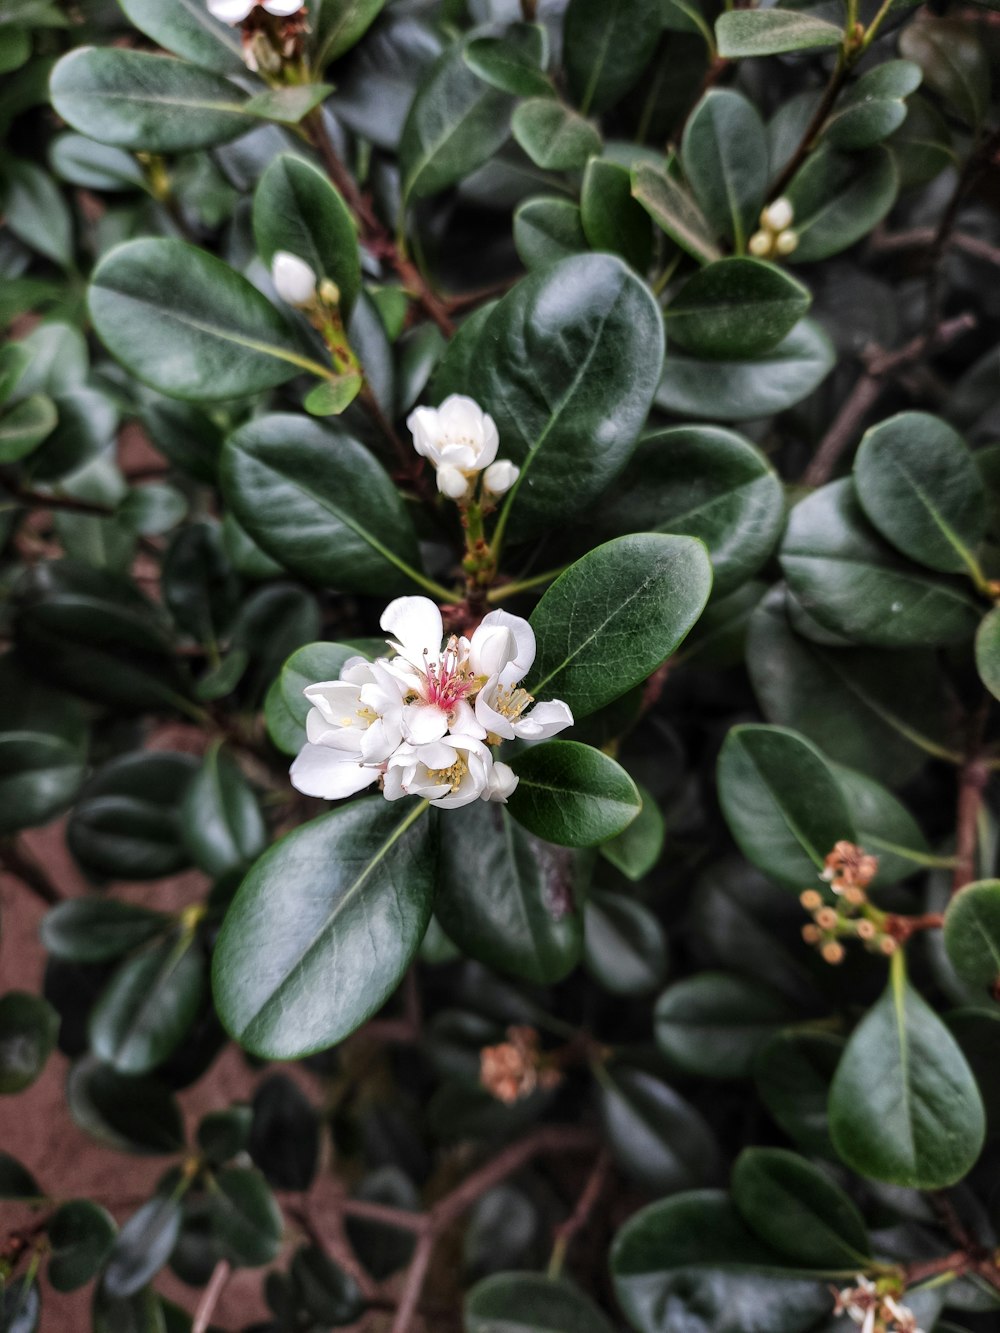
x: 849, y: 867
x: 848, y: 870
x: 516, y: 1067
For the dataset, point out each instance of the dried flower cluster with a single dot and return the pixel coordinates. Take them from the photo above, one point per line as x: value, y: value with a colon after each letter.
x: 848, y: 870
x: 516, y: 1067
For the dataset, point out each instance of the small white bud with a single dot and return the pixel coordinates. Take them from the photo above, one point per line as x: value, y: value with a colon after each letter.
x: 500, y: 476
x: 294, y: 280
x: 501, y: 783
x: 759, y: 244
x: 786, y: 242
x: 779, y: 215
x: 452, y: 482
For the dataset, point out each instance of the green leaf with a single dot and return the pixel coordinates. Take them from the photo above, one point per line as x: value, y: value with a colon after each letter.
x: 862, y: 707
x: 43, y: 750
x: 922, y: 145
x: 735, y: 308
x: 572, y: 794
x: 16, y: 49
x: 612, y: 220
x: 223, y: 1135
x: 346, y: 896
x: 770, y: 32
x: 507, y: 899
x: 94, y: 166
x: 624, y: 948
x: 456, y: 123
x: 15, y: 359
x: 28, y: 1030
x: 674, y: 211
x: 376, y: 87
x: 286, y: 706
x: 635, y: 852
x: 187, y: 324
x: 80, y: 1234
x: 36, y: 213
x: 327, y: 1292
x: 793, y: 1073
x: 782, y: 802
x: 334, y: 396
x: 155, y: 104
x: 16, y: 1182
x: 954, y: 64
x: 919, y: 485
x: 704, y: 482
x: 724, y: 154
x: 661, y: 1142
x: 285, y: 1134
x: 97, y: 930
x: 20, y: 1305
x: 149, y: 1006
x: 855, y: 585
x: 751, y: 387
x: 222, y: 822
x: 798, y: 1210
x: 142, y: 1313
x: 198, y: 583
x: 296, y: 209
x: 319, y: 503
x: 288, y: 105
x: 884, y: 826
x: 137, y: 1115
x: 547, y: 229
x: 530, y: 1303
x: 189, y: 30
x: 976, y: 1031
x: 513, y: 63
x: 568, y: 363
x: 972, y: 935
x: 127, y: 824
x: 340, y: 24
x: 904, y: 1106
x: 143, y: 1246
x: 606, y: 48
x: 24, y: 426
x: 245, y: 1218
x: 689, y: 1263
x: 838, y: 198
x: 873, y: 107
x: 713, y: 1024
x: 553, y: 135
x: 616, y: 615
x: 988, y: 651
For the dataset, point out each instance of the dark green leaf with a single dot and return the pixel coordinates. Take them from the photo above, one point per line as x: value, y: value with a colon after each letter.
x: 612, y: 618
x: 724, y: 153
x: 612, y: 219
x: 673, y: 210
x: 199, y: 585
x: 149, y: 1006
x: 735, y: 308
x: 94, y: 166
x: 81, y: 1234
x: 547, y: 229
x: 320, y: 504
x: 922, y: 145
x: 326, y: 1291
x: 769, y: 32
x: 346, y: 896
x: 288, y: 105
x: 16, y: 1182
x: 284, y: 1134
x: 25, y: 425
x: 222, y: 821
x: 988, y: 651
x: 223, y: 1135
x: 553, y: 135
x: 188, y: 29
x: 286, y: 706
x: 530, y: 1303
x: 340, y: 24
x: 606, y: 48
x: 507, y: 899
x: 137, y: 1115
x: 28, y: 1030
x: 246, y: 1219
x: 141, y: 1313
x: 658, y: 1138
x: 883, y: 826
x: 874, y: 106
x: 43, y: 749
x: 636, y: 851
x: 793, y: 1073
x: 513, y: 63
x: 624, y: 948
x: 919, y: 485
x: 954, y: 64
x: 97, y: 930
x: 838, y: 198
x: 782, y: 801
x: 20, y: 1305
x: 36, y: 213
x: 713, y: 1024
x: 972, y: 935
x: 904, y: 1106
x: 572, y: 794
x: 143, y: 1246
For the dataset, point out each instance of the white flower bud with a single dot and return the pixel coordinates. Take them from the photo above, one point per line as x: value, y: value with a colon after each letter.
x: 500, y: 476
x: 786, y: 242
x: 452, y: 483
x: 235, y: 11
x: 501, y: 783
x: 779, y: 215
x: 294, y: 280
x: 759, y: 244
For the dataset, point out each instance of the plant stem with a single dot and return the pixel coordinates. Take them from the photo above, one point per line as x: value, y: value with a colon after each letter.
x: 972, y: 782
x: 16, y: 861
x: 210, y: 1297
x: 567, y: 1231
x: 503, y: 590
x: 816, y: 123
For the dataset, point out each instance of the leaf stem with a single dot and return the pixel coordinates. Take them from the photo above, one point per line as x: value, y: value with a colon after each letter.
x: 503, y: 590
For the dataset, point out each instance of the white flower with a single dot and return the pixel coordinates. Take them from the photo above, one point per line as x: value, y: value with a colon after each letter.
x: 448, y: 773
x: 294, y: 280
x: 235, y: 11
x: 457, y: 434
x: 499, y: 477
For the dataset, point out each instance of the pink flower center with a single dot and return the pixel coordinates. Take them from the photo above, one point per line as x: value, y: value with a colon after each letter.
x: 448, y: 679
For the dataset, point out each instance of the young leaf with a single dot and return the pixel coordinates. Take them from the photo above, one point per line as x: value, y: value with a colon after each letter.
x: 674, y: 211
x: 554, y: 136
x: 724, y: 154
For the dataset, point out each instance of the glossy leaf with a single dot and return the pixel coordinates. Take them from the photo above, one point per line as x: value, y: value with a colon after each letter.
x: 920, y: 487
x: 507, y: 899
x: 189, y: 30
x: 751, y: 387
x: 547, y: 229
x: 320, y: 504
x: 884, y: 826
x: 636, y: 851
x: 286, y: 706
x: 624, y: 948
x: 97, y: 930
x: 143, y: 1246
x: 530, y: 1303
x: 552, y: 360
x: 782, y: 802
x: 770, y: 32
x: 327, y: 1292
x: 954, y: 64
x: 988, y: 652
x: 793, y: 1072
x: 347, y: 895
x: 28, y: 1030
x: 674, y: 211
x: 616, y: 615
x: 553, y: 135
x: 137, y: 1115
x: 658, y: 1139
x: 919, y: 1122
x: 838, y: 198
x: 81, y: 1234
x: 513, y: 63
x: 854, y: 584
x: 713, y: 1024
x: 223, y: 824
x: 149, y: 1006
x: 246, y: 1220
x: 572, y: 794
x: 612, y: 220
x: 43, y: 749
x: 735, y: 308
x: 972, y: 935
x: 724, y: 153
x: 606, y: 49
x: 874, y: 107
x: 25, y: 426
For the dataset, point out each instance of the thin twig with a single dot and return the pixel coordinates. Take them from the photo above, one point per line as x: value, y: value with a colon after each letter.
x: 816, y: 123
x: 974, y: 777
x: 17, y: 862
x: 413, y: 1287
x: 210, y: 1297
x: 568, y: 1231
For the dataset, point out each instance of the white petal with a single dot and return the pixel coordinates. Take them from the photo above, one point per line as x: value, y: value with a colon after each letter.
x: 464, y: 722
x: 331, y: 774
x: 524, y: 636
x: 500, y: 476
x: 543, y: 720
x: 283, y: 8
x: 436, y: 754
x: 293, y: 279
x: 501, y: 784
x: 492, y: 648
x: 423, y: 425
x: 423, y: 723
x: 451, y: 482
x: 488, y: 717
x: 335, y: 700
x: 231, y: 11
x: 416, y: 623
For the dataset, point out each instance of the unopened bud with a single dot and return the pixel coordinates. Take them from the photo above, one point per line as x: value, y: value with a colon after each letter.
x: 833, y: 952
x: 811, y: 934
x: 887, y: 945
x: 786, y: 241
x: 811, y: 900
x: 778, y: 216
x: 500, y: 476
x: 329, y: 292
x: 452, y: 482
x: 866, y: 930
x: 294, y: 280
x: 826, y: 918
x: 854, y: 895
x: 760, y: 244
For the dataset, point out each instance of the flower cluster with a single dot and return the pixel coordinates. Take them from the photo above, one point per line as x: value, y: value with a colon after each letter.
x: 516, y: 1067
x: 272, y: 31
x: 873, y: 1310
x: 461, y: 441
x: 848, y: 870
x: 421, y: 723
x: 775, y: 237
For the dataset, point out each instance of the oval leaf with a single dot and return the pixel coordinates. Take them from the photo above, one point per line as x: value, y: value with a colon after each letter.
x: 572, y: 794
